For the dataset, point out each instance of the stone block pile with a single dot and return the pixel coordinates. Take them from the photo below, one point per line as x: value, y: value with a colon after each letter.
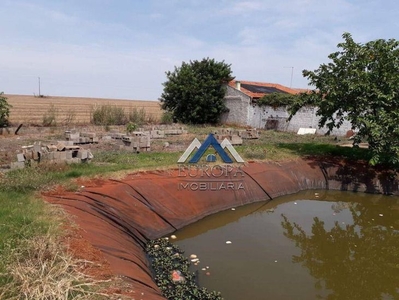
x: 229, y: 134
x: 236, y: 136
x: 137, y: 141
x: 249, y: 133
x: 61, y: 152
x: 81, y: 137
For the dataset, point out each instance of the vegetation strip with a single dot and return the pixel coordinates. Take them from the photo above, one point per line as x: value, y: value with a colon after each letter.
x: 172, y: 274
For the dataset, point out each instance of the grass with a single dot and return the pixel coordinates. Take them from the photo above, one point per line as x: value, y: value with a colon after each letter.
x: 32, y: 260
x: 34, y: 263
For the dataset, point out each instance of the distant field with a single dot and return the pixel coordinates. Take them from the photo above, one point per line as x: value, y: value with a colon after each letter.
x: 30, y: 109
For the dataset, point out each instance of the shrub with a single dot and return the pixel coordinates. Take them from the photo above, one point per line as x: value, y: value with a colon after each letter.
x: 130, y: 127
x: 167, y: 118
x: 50, y: 117
x: 4, y: 110
x: 137, y: 116
x: 109, y: 115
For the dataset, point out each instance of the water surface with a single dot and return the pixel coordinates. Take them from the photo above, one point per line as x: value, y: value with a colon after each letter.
x: 312, y: 245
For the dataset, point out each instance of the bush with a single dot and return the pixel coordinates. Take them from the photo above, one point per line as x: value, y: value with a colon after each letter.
x: 50, y: 117
x: 4, y: 110
x: 137, y: 116
x: 109, y: 115
x: 167, y: 118
x: 130, y: 127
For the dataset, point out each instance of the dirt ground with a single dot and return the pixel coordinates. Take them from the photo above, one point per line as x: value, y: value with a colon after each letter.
x: 97, y: 265
x: 11, y: 144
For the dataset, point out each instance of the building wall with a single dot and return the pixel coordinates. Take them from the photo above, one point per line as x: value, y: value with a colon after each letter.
x: 238, y: 104
x: 269, y: 118
x: 243, y: 112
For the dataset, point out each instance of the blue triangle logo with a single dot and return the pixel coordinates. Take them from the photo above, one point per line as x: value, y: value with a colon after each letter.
x: 211, y: 141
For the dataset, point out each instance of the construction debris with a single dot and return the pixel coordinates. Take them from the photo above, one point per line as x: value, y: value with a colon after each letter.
x: 137, y: 141
x: 234, y: 136
x: 81, y: 137
x: 63, y: 151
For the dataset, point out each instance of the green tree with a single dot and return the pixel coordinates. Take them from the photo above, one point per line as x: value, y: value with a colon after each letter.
x: 4, y: 110
x: 194, y: 92
x: 360, y: 84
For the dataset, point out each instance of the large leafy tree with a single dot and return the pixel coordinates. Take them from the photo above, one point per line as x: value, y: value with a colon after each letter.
x: 194, y: 92
x: 4, y: 110
x: 360, y: 84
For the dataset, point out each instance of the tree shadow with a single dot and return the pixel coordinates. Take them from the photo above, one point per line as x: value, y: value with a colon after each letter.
x: 358, y: 261
x: 347, y: 169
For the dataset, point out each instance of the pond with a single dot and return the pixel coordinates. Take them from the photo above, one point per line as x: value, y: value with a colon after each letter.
x: 311, y: 245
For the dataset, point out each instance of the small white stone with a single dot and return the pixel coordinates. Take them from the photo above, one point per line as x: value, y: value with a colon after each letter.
x: 295, y: 203
x: 228, y: 242
x: 275, y: 261
x: 173, y: 237
x: 233, y: 208
x: 381, y: 215
x: 193, y: 256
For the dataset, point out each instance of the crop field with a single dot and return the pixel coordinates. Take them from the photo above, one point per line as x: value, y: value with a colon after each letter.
x: 31, y: 110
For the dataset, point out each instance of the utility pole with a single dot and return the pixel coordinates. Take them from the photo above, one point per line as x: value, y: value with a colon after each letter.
x: 39, y: 86
x: 292, y: 75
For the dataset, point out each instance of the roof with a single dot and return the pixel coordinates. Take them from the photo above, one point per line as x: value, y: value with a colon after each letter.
x: 257, y: 90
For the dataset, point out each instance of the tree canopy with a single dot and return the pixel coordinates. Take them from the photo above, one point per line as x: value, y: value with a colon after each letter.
x: 194, y: 92
x: 4, y: 110
x: 360, y: 84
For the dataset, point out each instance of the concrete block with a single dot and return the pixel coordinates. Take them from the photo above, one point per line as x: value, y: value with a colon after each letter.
x: 20, y: 157
x: 82, y: 154
x: 28, y: 155
x: 88, y: 134
x: 36, y: 155
x: 37, y: 148
x: 51, y: 148
x: 60, y: 146
x: 17, y: 165
x: 76, y: 160
x: 68, y: 154
x: 62, y: 155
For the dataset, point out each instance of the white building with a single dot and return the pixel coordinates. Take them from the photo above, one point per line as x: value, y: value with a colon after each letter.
x: 241, y: 100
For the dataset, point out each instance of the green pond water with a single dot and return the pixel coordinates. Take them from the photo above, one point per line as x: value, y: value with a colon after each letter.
x: 311, y: 245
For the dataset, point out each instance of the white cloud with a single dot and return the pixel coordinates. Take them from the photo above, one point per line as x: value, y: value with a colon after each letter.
x: 125, y: 53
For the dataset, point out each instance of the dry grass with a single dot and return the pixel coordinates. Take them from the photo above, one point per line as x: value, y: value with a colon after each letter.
x: 30, y: 109
x: 40, y: 269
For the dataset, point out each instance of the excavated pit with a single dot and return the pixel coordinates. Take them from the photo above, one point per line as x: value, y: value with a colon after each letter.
x: 119, y: 216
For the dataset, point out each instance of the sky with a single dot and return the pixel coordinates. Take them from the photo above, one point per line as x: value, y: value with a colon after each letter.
x: 122, y: 48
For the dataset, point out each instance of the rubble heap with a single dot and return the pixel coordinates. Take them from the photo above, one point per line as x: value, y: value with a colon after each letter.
x: 62, y: 151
